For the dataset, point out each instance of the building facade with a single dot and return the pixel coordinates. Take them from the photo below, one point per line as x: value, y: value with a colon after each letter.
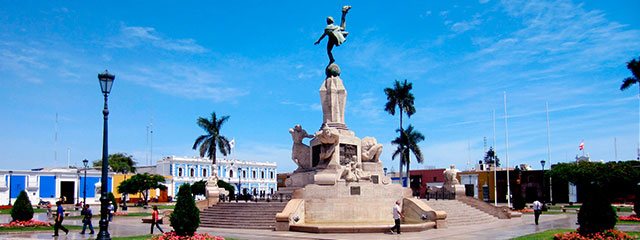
x: 51, y: 184
x: 252, y: 177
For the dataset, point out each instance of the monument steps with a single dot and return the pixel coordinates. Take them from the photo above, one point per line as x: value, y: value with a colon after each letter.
x: 459, y: 213
x: 244, y: 215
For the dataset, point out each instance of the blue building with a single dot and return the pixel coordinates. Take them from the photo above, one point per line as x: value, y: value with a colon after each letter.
x: 50, y: 184
x: 251, y: 177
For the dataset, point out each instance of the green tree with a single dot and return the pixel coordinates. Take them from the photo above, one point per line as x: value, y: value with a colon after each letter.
x: 408, y: 143
x: 617, y: 178
x: 125, y: 188
x: 141, y: 183
x: 185, y: 219
x: 119, y: 162
x: 212, y: 141
x: 199, y: 188
x: 634, y: 67
x: 22, y: 209
x: 400, y: 96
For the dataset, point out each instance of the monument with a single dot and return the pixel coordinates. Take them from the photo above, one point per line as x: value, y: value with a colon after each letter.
x: 339, y: 185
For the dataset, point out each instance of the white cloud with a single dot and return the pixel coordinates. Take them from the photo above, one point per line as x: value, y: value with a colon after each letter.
x: 133, y: 36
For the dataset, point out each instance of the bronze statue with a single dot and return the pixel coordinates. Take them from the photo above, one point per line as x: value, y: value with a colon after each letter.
x: 337, y: 34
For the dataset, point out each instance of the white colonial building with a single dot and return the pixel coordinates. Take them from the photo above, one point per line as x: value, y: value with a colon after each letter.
x: 252, y: 177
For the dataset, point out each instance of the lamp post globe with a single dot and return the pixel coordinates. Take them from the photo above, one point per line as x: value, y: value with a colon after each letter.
x: 84, y: 185
x: 542, y: 162
x: 106, y: 82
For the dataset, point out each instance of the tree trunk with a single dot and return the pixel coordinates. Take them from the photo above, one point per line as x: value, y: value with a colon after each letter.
x: 401, y: 156
x: 408, y: 162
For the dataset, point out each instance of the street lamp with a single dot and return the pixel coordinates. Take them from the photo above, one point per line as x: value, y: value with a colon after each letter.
x: 385, y: 171
x: 106, y: 81
x: 125, y: 195
x: 542, y: 162
x: 84, y: 190
x: 10, y: 174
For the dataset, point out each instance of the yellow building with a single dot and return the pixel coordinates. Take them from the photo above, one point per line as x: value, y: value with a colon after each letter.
x: 483, y: 184
x: 118, y: 178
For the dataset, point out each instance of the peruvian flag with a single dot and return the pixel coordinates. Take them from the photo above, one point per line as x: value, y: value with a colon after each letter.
x: 581, y: 145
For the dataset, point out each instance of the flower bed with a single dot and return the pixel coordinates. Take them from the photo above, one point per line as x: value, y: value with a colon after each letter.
x: 120, y: 214
x: 30, y: 223
x: 611, y: 234
x: 525, y: 210
x: 4, y: 207
x: 633, y: 218
x: 196, y: 236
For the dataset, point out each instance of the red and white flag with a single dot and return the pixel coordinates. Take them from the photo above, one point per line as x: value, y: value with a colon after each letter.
x: 581, y: 145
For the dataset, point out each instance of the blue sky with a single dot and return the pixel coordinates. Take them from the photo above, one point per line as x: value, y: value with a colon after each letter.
x: 256, y: 62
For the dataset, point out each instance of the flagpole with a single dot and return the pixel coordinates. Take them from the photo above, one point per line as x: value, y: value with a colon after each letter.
x: 548, y: 153
x: 506, y: 150
x: 495, y: 166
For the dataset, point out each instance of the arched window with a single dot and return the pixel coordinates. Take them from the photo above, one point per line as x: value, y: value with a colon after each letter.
x: 179, y: 172
x: 262, y: 174
x: 192, y: 173
x: 204, y: 172
x: 244, y: 174
x: 271, y: 190
x: 254, y: 174
x: 271, y: 175
x: 231, y: 173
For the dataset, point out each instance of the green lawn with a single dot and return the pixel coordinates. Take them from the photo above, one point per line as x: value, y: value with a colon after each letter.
x: 166, y: 206
x: 138, y: 214
x: 549, y: 234
x: 35, y: 210
x: 628, y: 222
x: 37, y: 229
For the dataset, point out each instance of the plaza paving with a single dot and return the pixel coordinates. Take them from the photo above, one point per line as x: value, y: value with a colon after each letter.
x: 503, y: 229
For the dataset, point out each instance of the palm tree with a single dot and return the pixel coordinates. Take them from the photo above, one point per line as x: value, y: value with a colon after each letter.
x: 634, y: 67
x: 400, y: 95
x: 211, y: 142
x: 408, y: 143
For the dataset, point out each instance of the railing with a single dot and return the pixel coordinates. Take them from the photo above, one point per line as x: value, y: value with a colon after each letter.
x: 440, y: 194
x: 255, y: 198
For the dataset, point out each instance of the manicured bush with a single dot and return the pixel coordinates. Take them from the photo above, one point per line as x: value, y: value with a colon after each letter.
x: 185, y: 218
x: 22, y: 209
x: 596, y: 213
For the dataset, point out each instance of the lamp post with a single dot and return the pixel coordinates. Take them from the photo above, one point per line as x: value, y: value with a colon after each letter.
x: 125, y: 195
x: 542, y: 162
x: 385, y: 171
x: 106, y: 81
x: 10, y: 174
x: 84, y: 189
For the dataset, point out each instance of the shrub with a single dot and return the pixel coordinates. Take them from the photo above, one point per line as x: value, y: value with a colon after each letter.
x: 185, y: 218
x: 113, y: 200
x: 610, y: 234
x: 596, y: 213
x: 199, y: 188
x: 22, y: 209
x: 518, y: 201
x: 230, y: 188
x: 636, y: 202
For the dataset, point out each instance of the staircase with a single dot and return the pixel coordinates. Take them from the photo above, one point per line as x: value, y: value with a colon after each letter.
x: 459, y: 213
x: 248, y: 215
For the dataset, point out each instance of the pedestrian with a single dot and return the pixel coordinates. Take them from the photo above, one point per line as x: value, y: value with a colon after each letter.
x: 58, y: 221
x: 155, y: 220
x: 537, y: 210
x: 397, y: 214
x: 111, y: 209
x: 86, y: 220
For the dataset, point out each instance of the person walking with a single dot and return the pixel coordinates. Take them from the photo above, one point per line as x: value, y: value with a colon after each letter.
x: 86, y: 220
x: 155, y: 220
x: 111, y: 210
x: 537, y: 210
x: 397, y: 214
x: 58, y: 221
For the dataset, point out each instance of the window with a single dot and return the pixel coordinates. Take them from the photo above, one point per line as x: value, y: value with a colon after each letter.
x: 231, y: 173
x: 192, y: 173
x: 434, y: 179
x: 179, y: 172
x: 244, y: 174
x: 204, y: 172
x: 271, y: 175
x: 253, y: 174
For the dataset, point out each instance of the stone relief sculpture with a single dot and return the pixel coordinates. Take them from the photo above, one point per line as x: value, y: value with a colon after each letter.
x: 329, y: 137
x: 371, y: 150
x: 300, y: 153
x: 450, y: 177
x: 353, y: 172
x: 337, y: 34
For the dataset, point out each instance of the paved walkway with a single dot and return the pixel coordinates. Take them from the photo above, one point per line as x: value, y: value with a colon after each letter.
x: 502, y: 229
